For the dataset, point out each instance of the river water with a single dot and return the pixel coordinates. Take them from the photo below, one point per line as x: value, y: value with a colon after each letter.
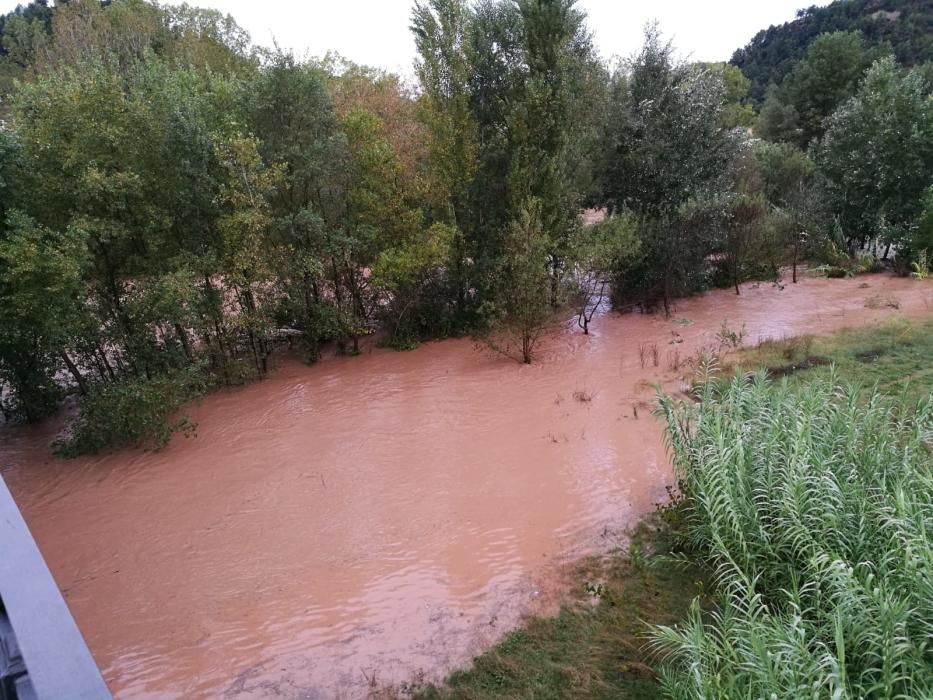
x: 388, y: 514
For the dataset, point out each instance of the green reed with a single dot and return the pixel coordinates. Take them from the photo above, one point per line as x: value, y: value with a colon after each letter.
x: 814, y: 507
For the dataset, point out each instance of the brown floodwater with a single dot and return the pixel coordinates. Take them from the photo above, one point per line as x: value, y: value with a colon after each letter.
x: 387, y: 514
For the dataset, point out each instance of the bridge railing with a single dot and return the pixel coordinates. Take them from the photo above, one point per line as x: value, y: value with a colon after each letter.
x: 42, y: 653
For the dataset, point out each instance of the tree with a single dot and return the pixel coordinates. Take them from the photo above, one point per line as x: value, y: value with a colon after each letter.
x: 22, y: 33
x: 778, y: 121
x: 736, y: 111
x: 922, y: 238
x: 523, y: 306
x: 244, y: 227
x: 828, y: 76
x: 411, y: 272
x: 877, y: 154
x: 441, y: 29
x: 548, y: 113
x: 289, y: 104
x: 43, y: 311
x: 773, y: 52
x: 601, y: 252
x: 83, y: 32
x: 663, y: 147
x: 788, y: 178
x: 744, y: 216
x: 206, y: 39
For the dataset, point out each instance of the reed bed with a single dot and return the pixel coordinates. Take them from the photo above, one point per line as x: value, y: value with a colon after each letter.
x: 815, y: 509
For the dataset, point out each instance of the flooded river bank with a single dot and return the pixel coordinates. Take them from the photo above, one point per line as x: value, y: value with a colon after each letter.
x: 384, y: 514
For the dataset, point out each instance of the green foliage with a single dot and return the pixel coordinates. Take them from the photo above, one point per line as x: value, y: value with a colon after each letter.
x: 665, y: 156
x: 778, y: 120
x: 522, y: 306
x: 813, y: 508
x: 921, y: 266
x: 172, y: 197
x: 791, y: 185
x: 877, y: 155
x: 133, y: 413
x: 42, y: 312
x: 411, y: 273
x: 605, y: 246
x: 745, y: 249
x: 827, y: 76
x: 602, y: 251
x: 921, y: 238
x: 736, y: 112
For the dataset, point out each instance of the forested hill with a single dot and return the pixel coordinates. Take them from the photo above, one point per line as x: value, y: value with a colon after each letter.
x: 906, y: 24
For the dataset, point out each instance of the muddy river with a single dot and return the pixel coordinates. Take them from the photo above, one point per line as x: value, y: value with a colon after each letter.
x: 387, y: 514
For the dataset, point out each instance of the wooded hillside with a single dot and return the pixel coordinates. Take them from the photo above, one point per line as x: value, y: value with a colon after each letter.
x: 907, y: 25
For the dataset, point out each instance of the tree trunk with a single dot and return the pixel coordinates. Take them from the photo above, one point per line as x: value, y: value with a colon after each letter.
x: 75, y: 372
x: 183, y: 339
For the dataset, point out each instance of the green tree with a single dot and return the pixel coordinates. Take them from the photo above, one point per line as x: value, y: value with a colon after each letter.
x: 828, y: 76
x: 877, y: 155
x: 743, y: 228
x: 411, y: 272
x: 736, y: 111
x: 522, y: 306
x: 922, y: 239
x: 548, y: 114
x: 664, y: 146
x: 41, y: 283
x: 602, y: 251
x: 778, y: 121
x: 789, y: 184
x: 443, y: 69
x: 288, y: 103
x: 244, y: 228
x: 773, y: 52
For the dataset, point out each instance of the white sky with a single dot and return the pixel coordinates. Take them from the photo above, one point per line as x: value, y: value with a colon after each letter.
x: 375, y: 32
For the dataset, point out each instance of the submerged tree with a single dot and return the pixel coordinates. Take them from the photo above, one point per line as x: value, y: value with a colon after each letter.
x: 601, y: 253
x: 41, y: 283
x: 789, y: 184
x: 877, y: 155
x: 523, y: 305
x: 441, y: 29
x: 664, y: 146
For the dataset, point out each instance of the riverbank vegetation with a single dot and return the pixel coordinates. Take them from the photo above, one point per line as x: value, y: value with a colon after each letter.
x: 813, y: 510
x: 800, y: 529
x: 178, y: 205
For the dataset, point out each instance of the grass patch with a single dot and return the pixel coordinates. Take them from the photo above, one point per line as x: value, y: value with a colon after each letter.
x: 895, y: 355
x: 595, y: 646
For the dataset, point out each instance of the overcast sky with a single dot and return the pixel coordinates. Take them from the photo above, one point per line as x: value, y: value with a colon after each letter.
x: 375, y: 32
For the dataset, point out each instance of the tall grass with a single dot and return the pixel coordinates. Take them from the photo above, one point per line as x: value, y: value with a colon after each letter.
x: 815, y: 509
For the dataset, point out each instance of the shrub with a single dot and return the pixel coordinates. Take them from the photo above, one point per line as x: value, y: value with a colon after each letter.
x: 814, y: 509
x: 133, y: 413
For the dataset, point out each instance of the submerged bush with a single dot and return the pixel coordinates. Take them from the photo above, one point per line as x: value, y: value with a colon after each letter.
x: 133, y: 413
x: 815, y: 508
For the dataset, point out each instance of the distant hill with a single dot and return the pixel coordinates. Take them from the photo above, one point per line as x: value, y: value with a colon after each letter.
x: 906, y: 24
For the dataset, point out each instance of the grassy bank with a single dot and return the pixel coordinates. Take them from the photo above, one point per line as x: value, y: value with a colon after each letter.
x: 596, y: 647
x: 895, y: 355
